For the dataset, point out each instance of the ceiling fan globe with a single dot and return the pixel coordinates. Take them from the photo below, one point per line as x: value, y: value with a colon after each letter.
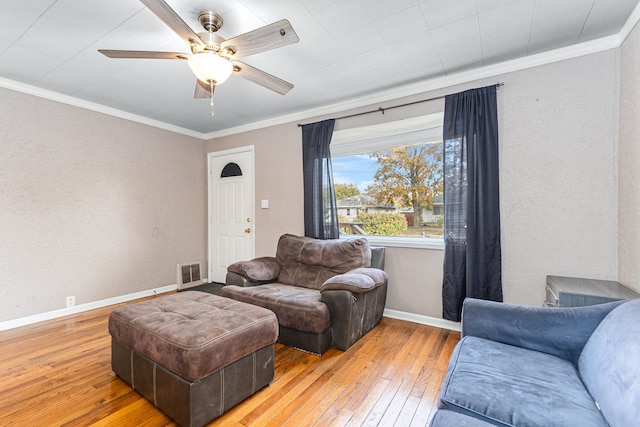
x: 210, y: 67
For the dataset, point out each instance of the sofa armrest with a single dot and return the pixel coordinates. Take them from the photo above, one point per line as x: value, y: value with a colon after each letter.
x: 254, y: 272
x: 358, y: 280
x: 562, y: 331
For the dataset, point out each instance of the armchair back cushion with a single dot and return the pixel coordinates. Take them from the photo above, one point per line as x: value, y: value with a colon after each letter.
x: 308, y: 262
x: 609, y: 365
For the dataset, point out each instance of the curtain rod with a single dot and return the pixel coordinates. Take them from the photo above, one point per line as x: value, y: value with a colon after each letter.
x: 382, y: 110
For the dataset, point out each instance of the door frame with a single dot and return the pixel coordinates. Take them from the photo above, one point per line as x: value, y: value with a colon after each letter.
x: 210, y: 182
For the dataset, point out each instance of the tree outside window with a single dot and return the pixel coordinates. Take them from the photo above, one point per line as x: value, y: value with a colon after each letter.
x: 402, y: 194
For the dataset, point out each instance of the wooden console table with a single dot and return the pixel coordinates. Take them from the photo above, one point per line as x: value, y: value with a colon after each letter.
x: 575, y: 292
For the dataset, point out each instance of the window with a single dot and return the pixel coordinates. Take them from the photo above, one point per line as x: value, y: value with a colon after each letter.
x: 388, y: 181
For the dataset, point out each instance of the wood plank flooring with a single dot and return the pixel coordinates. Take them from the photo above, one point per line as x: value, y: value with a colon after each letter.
x: 58, y: 373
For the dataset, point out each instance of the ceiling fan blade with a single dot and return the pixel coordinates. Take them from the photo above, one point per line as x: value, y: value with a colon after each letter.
x: 269, y: 37
x: 163, y: 11
x: 262, y: 78
x: 203, y: 90
x: 142, y: 54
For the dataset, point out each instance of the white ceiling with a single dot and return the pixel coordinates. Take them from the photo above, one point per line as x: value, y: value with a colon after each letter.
x: 348, y: 49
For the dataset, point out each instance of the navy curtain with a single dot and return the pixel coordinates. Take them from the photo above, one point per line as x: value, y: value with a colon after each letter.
x: 320, y: 212
x: 472, y: 254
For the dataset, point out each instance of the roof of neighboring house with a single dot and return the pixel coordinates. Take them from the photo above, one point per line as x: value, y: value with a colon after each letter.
x: 360, y: 201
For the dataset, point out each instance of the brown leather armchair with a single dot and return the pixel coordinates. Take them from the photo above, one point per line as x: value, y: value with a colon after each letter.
x: 323, y: 292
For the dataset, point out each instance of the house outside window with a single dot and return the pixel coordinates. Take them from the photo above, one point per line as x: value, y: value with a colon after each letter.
x: 388, y: 181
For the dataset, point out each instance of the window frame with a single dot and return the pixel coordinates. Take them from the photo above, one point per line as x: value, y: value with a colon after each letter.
x: 363, y: 140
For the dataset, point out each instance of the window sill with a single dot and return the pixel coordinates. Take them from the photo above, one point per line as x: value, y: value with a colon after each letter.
x: 404, y: 242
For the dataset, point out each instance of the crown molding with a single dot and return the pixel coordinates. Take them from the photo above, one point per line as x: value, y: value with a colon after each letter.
x: 628, y: 26
x: 87, y: 105
x: 586, y: 48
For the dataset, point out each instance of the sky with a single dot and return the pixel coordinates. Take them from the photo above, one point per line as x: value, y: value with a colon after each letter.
x: 357, y: 170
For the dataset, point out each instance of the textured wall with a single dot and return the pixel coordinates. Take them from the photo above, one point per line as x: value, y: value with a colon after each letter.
x: 558, y: 128
x: 91, y: 205
x: 629, y: 163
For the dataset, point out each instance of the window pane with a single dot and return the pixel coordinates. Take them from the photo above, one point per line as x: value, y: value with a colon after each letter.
x: 391, y: 192
x: 231, y: 170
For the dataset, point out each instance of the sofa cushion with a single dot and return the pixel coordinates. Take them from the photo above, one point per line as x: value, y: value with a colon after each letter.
x: 295, y: 307
x: 609, y: 365
x: 444, y: 418
x: 516, y: 386
x: 310, y: 262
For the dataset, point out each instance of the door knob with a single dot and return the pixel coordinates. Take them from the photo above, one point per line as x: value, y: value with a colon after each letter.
x: 247, y: 230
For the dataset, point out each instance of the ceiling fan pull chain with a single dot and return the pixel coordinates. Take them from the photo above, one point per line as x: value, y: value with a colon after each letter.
x: 211, y: 103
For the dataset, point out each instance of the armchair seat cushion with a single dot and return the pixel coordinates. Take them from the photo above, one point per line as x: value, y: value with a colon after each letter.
x: 513, y: 386
x: 295, y: 307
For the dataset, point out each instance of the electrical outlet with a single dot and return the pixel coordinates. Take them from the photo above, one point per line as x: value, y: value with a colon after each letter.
x: 71, y: 301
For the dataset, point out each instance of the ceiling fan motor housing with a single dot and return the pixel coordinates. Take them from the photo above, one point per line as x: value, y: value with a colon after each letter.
x: 211, y: 40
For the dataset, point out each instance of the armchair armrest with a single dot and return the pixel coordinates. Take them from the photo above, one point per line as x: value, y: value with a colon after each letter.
x: 356, y: 301
x: 358, y: 280
x: 253, y: 272
x: 562, y: 332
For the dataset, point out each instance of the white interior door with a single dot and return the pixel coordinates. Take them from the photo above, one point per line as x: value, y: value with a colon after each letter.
x: 231, y: 210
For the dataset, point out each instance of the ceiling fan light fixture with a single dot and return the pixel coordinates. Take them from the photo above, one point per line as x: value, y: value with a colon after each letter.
x: 210, y: 67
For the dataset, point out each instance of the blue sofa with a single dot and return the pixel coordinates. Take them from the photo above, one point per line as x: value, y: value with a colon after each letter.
x: 530, y: 366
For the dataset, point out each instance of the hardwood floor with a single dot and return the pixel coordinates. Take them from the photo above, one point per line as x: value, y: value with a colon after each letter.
x: 58, y: 373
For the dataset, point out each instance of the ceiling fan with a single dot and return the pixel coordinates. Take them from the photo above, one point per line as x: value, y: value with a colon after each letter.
x: 212, y: 58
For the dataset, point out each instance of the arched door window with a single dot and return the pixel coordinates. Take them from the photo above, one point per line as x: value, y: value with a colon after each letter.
x: 231, y: 170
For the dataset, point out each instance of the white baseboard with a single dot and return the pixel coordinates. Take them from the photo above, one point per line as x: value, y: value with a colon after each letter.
x: 28, y: 320
x: 423, y: 320
x: 23, y: 321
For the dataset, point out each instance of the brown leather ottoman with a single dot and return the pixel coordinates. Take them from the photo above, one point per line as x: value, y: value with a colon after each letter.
x: 194, y: 355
